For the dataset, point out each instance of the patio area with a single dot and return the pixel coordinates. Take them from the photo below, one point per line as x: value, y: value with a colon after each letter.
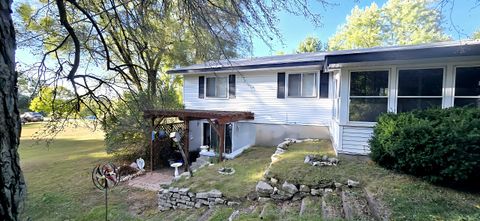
x: 153, y: 180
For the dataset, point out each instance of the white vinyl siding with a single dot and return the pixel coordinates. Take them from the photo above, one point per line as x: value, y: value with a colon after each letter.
x: 355, y: 139
x: 257, y: 92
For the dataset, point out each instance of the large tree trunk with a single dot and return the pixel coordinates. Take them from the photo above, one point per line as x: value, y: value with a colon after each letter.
x: 12, y: 184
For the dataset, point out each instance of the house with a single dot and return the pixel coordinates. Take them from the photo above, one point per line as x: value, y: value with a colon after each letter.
x: 336, y: 95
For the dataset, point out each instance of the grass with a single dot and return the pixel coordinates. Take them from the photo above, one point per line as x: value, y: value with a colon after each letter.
x: 407, y: 197
x: 249, y: 168
x: 59, y: 185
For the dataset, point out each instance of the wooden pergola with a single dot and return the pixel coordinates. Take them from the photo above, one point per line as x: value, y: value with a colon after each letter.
x: 217, y: 120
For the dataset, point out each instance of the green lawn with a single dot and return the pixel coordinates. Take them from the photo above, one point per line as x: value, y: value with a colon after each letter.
x: 249, y: 168
x: 407, y: 197
x: 59, y: 185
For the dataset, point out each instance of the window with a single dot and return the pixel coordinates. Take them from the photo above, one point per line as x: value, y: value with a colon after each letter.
x: 210, y: 137
x: 302, y: 85
x: 368, y: 95
x: 419, y: 89
x: 217, y: 87
x: 467, y: 87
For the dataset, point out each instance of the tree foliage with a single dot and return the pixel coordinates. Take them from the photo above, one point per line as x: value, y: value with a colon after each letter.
x: 396, y: 23
x: 52, y: 101
x: 476, y: 35
x: 310, y: 44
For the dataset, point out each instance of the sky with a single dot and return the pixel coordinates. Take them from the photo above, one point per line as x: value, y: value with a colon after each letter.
x: 460, y: 21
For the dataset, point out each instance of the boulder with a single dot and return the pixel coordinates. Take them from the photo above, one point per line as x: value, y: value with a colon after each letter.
x: 289, y: 188
x: 263, y: 188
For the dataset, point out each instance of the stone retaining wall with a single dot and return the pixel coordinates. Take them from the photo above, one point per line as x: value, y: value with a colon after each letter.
x: 183, y: 198
x: 271, y: 189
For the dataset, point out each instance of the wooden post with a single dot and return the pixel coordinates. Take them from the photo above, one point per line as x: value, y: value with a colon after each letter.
x: 151, y: 144
x: 221, y: 140
x: 186, y: 147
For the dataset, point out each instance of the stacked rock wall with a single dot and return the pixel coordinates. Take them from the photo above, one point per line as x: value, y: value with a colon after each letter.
x: 183, y: 198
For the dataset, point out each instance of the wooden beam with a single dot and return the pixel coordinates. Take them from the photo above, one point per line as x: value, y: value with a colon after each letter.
x: 151, y: 143
x: 186, y: 144
x: 221, y: 141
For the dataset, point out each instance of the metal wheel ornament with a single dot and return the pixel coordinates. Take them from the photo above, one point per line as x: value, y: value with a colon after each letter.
x: 105, y: 177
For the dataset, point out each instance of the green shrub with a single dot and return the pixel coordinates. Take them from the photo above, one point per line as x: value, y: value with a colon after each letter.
x: 440, y: 145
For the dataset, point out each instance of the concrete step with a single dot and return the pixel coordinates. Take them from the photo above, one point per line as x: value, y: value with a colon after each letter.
x: 332, y: 206
x: 355, y: 205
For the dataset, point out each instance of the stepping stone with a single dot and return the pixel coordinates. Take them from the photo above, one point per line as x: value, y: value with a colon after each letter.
x: 332, y: 206
x: 355, y: 205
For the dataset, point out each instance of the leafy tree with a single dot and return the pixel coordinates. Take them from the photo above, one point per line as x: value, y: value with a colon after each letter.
x: 362, y: 30
x: 396, y: 23
x: 52, y: 101
x: 476, y: 35
x: 412, y: 22
x: 310, y: 44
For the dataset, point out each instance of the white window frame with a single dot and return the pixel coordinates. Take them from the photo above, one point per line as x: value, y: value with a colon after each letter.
x: 455, y: 82
x: 226, y: 88
x: 316, y: 81
x: 366, y: 123
x: 397, y: 82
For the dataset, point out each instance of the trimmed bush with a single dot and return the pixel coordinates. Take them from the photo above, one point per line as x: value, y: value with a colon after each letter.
x: 439, y: 145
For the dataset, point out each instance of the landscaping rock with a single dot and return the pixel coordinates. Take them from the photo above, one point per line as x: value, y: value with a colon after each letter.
x: 281, y: 195
x: 333, y: 160
x: 324, y: 158
x: 289, y: 188
x: 328, y: 190
x: 315, y: 192
x: 273, y: 181
x: 215, y: 193
x: 308, y: 159
x: 263, y: 188
x: 232, y: 203
x: 201, y: 195
x: 338, y: 185
x: 352, y: 183
x: 264, y: 199
x: 304, y: 188
x: 183, y: 191
x: 219, y: 201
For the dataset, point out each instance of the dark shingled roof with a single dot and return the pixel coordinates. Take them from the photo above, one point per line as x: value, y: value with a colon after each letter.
x: 431, y: 50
